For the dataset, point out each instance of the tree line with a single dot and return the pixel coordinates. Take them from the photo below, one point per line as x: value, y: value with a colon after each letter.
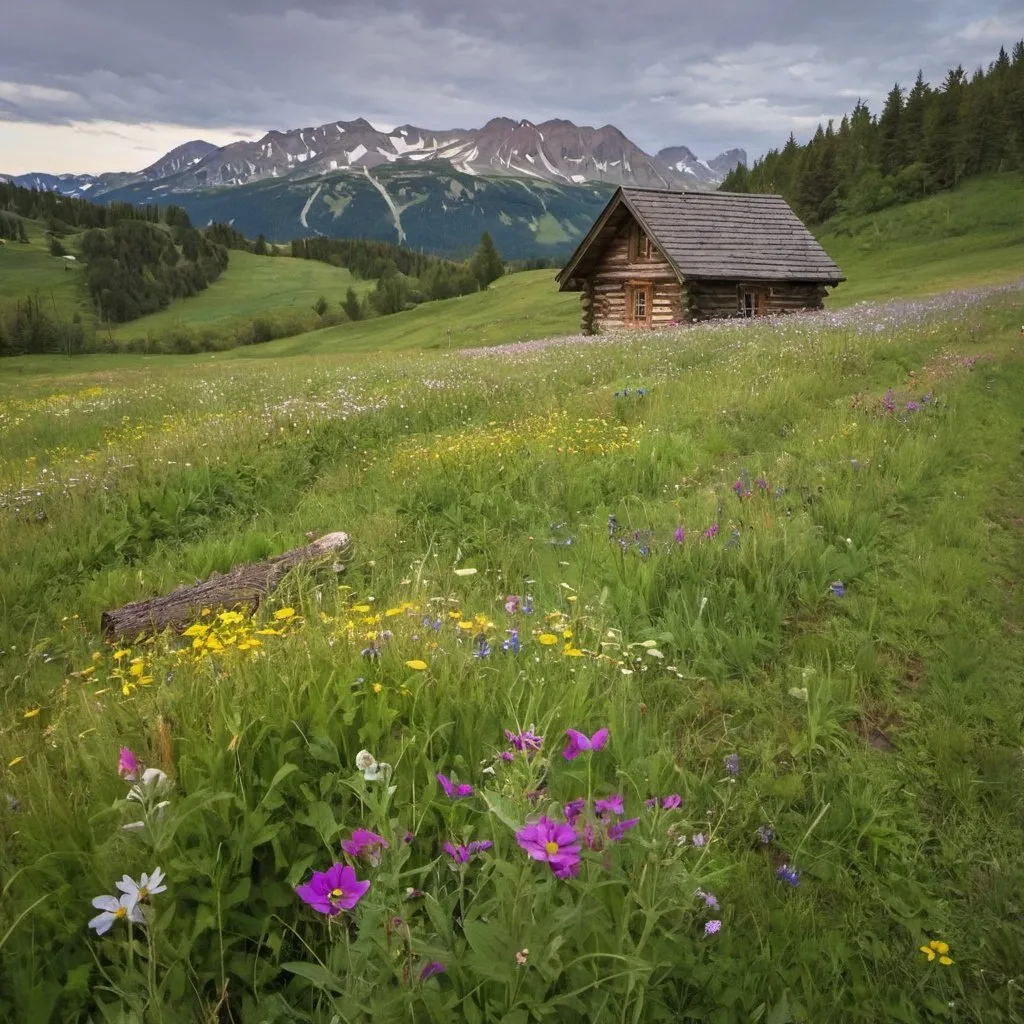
x: 924, y: 140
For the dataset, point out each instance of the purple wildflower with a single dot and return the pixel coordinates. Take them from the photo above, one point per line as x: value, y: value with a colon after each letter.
x: 762, y: 484
x: 732, y: 764
x: 671, y: 802
x: 408, y: 837
x: 365, y: 843
x: 555, y: 843
x: 889, y: 402
x: 711, y: 532
x: 429, y: 970
x: 527, y: 605
x: 334, y: 890
x: 765, y: 834
x: 738, y: 488
x: 461, y: 854
x: 578, y: 742
x: 512, y: 604
x: 591, y: 837
x: 526, y: 740
x: 651, y: 803
x: 837, y: 588
x: 512, y: 644
x: 700, y: 840
x: 710, y: 901
x: 483, y: 648
x: 620, y: 828
x: 791, y: 876
x: 128, y: 765
x: 507, y: 755
x: 712, y: 927
x: 680, y: 535
x: 912, y: 407
x: 454, y: 790
x: 574, y: 809
x: 613, y: 805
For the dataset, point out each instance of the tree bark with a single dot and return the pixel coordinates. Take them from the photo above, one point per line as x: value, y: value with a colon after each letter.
x: 245, y: 585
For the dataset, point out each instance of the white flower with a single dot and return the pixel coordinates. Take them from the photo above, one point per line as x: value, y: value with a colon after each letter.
x: 146, y: 886
x: 114, y: 909
x: 371, y: 769
x: 365, y: 760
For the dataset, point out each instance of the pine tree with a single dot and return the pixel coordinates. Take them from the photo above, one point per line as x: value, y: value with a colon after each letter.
x: 351, y: 305
x: 486, y: 264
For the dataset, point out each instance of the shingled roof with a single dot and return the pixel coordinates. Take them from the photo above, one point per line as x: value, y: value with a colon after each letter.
x: 731, y: 236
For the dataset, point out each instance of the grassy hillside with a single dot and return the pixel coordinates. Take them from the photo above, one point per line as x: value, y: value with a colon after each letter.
x: 972, y: 235
x: 514, y: 308
x: 252, y: 285
x: 30, y: 269
x: 776, y: 560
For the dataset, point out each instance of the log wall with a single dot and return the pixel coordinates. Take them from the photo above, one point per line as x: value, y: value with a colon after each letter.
x: 707, y: 300
x: 620, y: 266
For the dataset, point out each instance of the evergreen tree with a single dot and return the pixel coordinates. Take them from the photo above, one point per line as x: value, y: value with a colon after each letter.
x: 486, y: 264
x: 351, y: 305
x: 260, y: 248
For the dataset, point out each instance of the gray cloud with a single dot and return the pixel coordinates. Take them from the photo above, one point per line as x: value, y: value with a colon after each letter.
x: 733, y: 72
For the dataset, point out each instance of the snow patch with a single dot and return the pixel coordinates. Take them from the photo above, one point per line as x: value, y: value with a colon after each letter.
x: 334, y: 165
x: 403, y: 146
x: 87, y: 186
x: 306, y: 208
x: 578, y: 178
x: 357, y: 154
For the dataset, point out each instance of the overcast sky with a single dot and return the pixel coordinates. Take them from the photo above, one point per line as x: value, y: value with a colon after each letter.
x: 112, y: 84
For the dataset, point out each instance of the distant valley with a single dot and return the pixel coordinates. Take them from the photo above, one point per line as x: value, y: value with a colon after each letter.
x: 535, y: 187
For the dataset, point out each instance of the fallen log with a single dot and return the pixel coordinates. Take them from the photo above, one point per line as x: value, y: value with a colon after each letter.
x: 245, y: 585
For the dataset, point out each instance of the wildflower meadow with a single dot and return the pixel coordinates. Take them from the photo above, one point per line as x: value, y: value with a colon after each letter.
x: 668, y: 677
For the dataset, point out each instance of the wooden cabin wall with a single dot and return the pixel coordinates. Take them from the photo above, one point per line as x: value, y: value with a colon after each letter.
x: 614, y: 272
x: 707, y: 300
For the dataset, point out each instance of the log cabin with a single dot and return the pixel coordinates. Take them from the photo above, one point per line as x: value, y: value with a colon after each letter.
x: 656, y: 257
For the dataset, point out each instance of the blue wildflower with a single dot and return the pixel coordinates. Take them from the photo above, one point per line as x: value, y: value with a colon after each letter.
x: 732, y: 764
x: 511, y: 645
x: 837, y: 588
x: 791, y: 876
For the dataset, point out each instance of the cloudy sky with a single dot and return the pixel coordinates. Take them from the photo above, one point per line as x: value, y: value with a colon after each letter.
x: 113, y: 84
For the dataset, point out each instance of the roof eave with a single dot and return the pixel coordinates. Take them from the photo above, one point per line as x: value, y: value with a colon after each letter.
x: 565, y: 275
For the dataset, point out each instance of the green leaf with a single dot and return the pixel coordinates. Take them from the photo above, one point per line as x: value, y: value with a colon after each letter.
x: 503, y: 809
x: 280, y: 775
x: 319, y: 976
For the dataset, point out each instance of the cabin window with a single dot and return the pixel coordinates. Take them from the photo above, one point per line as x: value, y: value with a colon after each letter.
x: 640, y: 247
x: 751, y: 301
x: 638, y: 299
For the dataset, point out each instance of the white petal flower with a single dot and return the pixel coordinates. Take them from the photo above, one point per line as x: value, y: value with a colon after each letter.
x: 114, y: 909
x: 365, y: 760
x: 146, y: 886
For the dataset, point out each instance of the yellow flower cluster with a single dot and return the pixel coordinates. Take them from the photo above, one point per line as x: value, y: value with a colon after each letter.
x: 555, y: 432
x: 938, y: 948
x: 234, y: 630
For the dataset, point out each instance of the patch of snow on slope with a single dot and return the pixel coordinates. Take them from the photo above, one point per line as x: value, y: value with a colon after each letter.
x: 307, y: 207
x: 88, y: 185
x: 402, y: 145
x: 578, y: 178
x: 302, y: 157
x: 686, y: 170
x: 334, y: 165
x: 705, y: 164
x: 548, y: 164
x: 357, y: 153
x: 341, y: 131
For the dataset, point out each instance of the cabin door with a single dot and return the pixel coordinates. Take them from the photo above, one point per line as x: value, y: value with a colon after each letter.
x: 752, y: 301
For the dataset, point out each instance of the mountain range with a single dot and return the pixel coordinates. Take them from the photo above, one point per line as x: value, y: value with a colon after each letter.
x: 348, y: 177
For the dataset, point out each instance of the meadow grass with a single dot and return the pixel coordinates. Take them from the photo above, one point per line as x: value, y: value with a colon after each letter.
x: 778, y: 561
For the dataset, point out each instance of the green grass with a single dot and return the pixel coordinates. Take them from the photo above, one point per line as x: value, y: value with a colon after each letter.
x: 514, y: 308
x: 958, y: 239
x: 879, y: 733
x: 30, y: 270
x: 252, y: 285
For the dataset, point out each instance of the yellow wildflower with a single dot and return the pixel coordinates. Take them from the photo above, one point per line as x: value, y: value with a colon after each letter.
x: 465, y: 625
x: 230, y: 618
x: 199, y: 629
x: 268, y: 631
x: 937, y: 946
x: 15, y: 760
x: 548, y: 639
x: 377, y: 688
x: 572, y: 652
x: 361, y: 608
x: 122, y: 653
x: 283, y: 614
x: 32, y: 713
x: 394, y: 611
x: 416, y: 664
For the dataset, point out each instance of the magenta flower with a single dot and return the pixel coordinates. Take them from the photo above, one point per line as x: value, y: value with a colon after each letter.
x: 128, y: 765
x: 512, y: 604
x: 334, y: 890
x: 527, y: 740
x: 578, y: 742
x: 462, y: 854
x: 712, y: 927
x: 711, y: 532
x: 365, y: 843
x: 429, y: 970
x: 671, y: 802
x: 613, y: 805
x: 553, y: 842
x: 620, y: 828
x: 680, y: 535
x: 454, y: 790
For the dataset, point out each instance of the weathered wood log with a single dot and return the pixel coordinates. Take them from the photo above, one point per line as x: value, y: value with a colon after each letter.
x: 245, y: 586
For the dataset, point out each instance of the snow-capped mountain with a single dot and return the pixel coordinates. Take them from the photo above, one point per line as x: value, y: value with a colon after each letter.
x: 700, y: 172
x: 556, y: 151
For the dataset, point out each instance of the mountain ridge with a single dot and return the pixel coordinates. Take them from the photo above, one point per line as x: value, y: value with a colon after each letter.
x: 555, y: 150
